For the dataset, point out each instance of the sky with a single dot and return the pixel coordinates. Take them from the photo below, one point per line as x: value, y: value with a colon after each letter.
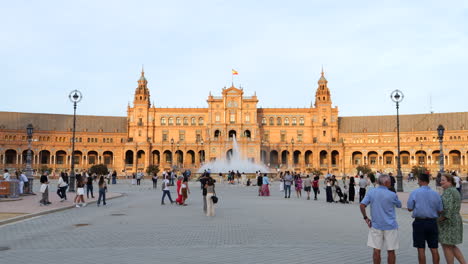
x: 188, y: 48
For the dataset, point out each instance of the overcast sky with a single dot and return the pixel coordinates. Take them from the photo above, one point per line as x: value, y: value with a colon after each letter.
x: 188, y: 48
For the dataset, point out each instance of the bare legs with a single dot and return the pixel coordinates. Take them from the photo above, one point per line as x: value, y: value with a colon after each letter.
x: 451, y: 253
x: 391, y: 259
x: 422, y: 256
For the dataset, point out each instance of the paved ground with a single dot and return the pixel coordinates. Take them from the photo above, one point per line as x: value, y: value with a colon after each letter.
x: 247, y: 229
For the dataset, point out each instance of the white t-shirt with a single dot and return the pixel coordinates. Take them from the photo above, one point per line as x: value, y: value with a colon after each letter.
x: 166, y: 182
x: 6, y: 176
x: 457, y: 181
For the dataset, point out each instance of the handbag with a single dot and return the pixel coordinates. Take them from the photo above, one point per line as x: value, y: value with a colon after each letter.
x: 214, y: 198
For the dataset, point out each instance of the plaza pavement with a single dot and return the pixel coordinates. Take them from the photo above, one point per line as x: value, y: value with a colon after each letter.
x: 246, y: 229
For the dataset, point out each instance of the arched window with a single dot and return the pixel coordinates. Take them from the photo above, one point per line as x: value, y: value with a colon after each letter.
x: 178, y: 121
x: 301, y: 121
x: 163, y: 121
x: 171, y: 121
x: 272, y: 121
x: 294, y: 121
x: 263, y: 121
x: 193, y: 122
x: 278, y: 121
x: 185, y: 121
x: 200, y: 121
x: 286, y: 121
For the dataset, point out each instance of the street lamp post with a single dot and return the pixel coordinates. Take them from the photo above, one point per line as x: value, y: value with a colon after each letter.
x: 202, y: 158
x: 292, y: 152
x: 172, y: 152
x: 440, y: 133
x: 29, y: 131
x: 178, y: 155
x: 397, y: 96
x: 75, y: 96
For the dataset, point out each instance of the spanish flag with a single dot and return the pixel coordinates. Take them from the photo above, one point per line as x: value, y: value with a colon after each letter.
x: 234, y: 72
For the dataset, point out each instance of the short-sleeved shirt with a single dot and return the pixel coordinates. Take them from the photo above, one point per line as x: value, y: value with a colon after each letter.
x: 307, y: 182
x: 6, y: 176
x: 265, y: 180
x: 166, y: 186
x: 425, y: 203
x: 363, y: 183
x: 259, y: 180
x: 288, y: 179
x: 457, y: 181
x: 382, y: 203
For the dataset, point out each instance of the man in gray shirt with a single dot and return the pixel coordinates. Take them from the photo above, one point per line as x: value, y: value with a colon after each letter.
x: 362, y: 187
x: 288, y: 179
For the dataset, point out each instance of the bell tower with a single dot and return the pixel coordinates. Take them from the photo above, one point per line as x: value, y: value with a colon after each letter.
x: 326, y: 117
x: 142, y: 95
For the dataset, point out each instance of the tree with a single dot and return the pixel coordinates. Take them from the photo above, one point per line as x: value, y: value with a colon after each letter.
x: 99, y: 169
x: 364, y: 169
x: 418, y: 170
x: 152, y: 169
x: 44, y: 168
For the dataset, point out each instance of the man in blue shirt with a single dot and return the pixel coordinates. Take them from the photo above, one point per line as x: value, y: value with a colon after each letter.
x: 383, y: 227
x: 426, y: 206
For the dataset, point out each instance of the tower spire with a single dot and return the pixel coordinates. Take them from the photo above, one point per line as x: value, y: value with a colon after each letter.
x: 322, y: 71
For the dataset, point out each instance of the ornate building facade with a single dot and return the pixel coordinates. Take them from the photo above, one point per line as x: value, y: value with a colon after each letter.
x: 299, y: 139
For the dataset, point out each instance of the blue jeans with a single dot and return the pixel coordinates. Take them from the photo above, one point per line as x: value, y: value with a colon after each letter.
x: 287, y: 191
x: 168, y: 193
x: 102, y: 194
x: 89, y: 188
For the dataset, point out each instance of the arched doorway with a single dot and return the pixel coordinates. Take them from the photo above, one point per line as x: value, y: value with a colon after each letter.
x: 92, y: 158
x: 108, y: 158
x: 129, y: 157
x: 263, y: 156
x: 167, y: 156
x: 191, y: 157
x: 10, y: 156
x: 274, y: 158
x: 232, y: 133
x: 372, y: 158
x: 284, y: 157
x: 44, y: 157
x: 229, y: 154
x: 335, y: 158
x: 247, y: 134
x: 323, y: 158
x: 155, y: 157
x: 357, y: 158
x: 296, y: 157
x: 140, y: 161
x: 308, y: 158
x: 179, y: 158
x: 388, y: 157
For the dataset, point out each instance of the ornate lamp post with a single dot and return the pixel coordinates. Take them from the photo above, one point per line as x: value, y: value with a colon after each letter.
x: 292, y: 151
x: 440, y: 134
x: 397, y: 96
x: 178, y: 155
x: 75, y: 96
x: 202, y: 158
x: 29, y: 131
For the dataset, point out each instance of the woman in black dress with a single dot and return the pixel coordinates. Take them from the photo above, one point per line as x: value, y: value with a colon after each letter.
x: 328, y: 183
x: 351, y: 189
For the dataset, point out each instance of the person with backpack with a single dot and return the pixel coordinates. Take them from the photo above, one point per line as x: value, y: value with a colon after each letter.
x: 315, y: 186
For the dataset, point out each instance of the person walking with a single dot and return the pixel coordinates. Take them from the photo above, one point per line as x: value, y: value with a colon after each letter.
x: 351, y: 191
x: 259, y: 184
x: 383, y: 227
x: 166, y: 191
x: 44, y: 180
x: 426, y: 206
x: 450, y: 221
x: 102, y: 185
x: 89, y: 186
x: 62, y: 186
x: 210, y: 192
x: 79, y: 199
x: 155, y: 180
x: 307, y: 186
x: 298, y: 185
x: 178, y: 190
x: 265, y: 185
x: 362, y: 187
x: 315, y: 186
x: 288, y: 180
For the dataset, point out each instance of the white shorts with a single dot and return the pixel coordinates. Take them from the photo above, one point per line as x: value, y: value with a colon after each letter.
x: 377, y: 239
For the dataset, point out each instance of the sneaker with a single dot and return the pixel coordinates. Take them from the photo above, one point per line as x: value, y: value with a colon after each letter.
x: 83, y: 205
x: 77, y: 206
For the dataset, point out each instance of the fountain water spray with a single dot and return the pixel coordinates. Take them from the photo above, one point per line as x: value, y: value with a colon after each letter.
x: 235, y: 162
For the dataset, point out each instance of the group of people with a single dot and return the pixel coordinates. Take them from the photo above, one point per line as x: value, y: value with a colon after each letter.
x: 437, y: 219
x: 288, y: 179
x: 23, y: 181
x: 207, y: 185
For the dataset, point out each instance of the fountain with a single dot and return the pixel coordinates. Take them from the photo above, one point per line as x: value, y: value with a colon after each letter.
x: 235, y: 162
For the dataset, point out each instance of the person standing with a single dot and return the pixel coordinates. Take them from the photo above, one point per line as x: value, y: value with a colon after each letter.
x: 352, y: 189
x: 259, y: 184
x: 133, y: 178
x: 102, y: 191
x: 315, y: 186
x: 298, y: 185
x: 288, y: 179
x: 62, y: 185
x: 307, y: 186
x: 210, y: 192
x: 203, y: 181
x: 450, y: 221
x: 79, y: 199
x: 166, y: 191
x: 426, y: 206
x: 392, y: 183
x: 114, y: 177
x: 457, y: 181
x: 155, y: 180
x: 89, y: 186
x: 44, y: 180
x: 265, y: 185
x: 328, y: 189
x: 383, y: 227
x: 139, y: 176
x: 184, y: 189
x: 24, y: 183
x: 362, y: 187
x: 6, y: 175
